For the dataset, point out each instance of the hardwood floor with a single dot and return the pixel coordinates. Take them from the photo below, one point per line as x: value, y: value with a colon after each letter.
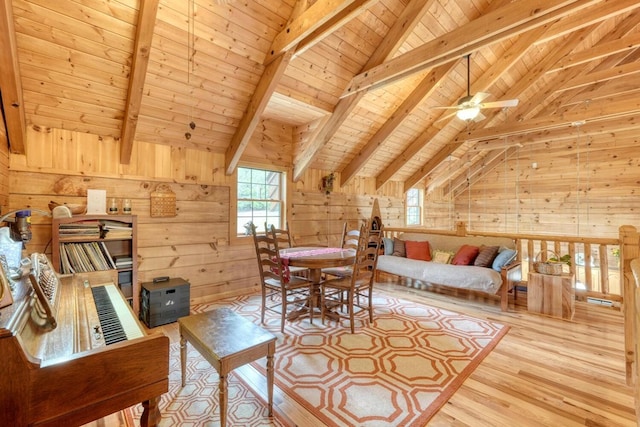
x: 544, y: 372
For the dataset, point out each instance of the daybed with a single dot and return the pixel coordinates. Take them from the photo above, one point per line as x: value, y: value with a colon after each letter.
x: 496, y: 273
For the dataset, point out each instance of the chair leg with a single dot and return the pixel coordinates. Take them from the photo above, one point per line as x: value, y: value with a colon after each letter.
x: 351, y: 297
x: 311, y: 301
x: 264, y: 302
x: 284, y: 311
x: 322, y: 304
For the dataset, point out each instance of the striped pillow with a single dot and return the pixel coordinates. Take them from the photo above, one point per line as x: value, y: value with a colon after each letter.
x: 486, y: 256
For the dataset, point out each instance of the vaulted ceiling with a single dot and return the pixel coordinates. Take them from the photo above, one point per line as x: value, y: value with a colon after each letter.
x: 356, y: 80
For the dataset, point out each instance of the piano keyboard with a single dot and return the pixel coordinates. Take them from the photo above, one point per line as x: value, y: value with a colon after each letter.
x: 116, y: 321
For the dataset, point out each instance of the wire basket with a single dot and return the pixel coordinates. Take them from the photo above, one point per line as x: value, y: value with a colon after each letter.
x: 553, y: 268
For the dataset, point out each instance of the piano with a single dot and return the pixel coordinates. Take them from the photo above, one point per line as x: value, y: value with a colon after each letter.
x: 72, y: 351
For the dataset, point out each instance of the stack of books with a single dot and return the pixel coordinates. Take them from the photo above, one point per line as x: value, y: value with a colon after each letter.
x: 115, y: 229
x: 123, y: 262
x: 84, y: 229
x: 85, y: 257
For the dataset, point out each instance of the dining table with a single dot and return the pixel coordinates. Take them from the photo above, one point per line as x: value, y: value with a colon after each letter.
x: 315, y: 259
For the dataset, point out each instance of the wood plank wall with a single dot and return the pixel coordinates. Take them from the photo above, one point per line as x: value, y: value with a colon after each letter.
x: 4, y: 168
x: 195, y: 245
x: 585, y: 187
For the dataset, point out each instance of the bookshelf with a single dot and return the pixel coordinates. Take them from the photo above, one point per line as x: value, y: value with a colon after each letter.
x: 86, y: 243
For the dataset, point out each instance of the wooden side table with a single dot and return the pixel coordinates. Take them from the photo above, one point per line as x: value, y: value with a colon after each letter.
x: 227, y: 341
x: 551, y: 295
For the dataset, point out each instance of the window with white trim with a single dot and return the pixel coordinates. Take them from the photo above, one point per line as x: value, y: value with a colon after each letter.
x: 414, y: 207
x: 260, y: 199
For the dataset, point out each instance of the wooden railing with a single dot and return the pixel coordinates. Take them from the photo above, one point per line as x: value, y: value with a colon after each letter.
x: 602, y: 268
x: 594, y: 261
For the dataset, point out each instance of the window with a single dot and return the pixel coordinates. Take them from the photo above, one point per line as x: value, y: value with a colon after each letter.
x: 260, y: 199
x: 414, y: 207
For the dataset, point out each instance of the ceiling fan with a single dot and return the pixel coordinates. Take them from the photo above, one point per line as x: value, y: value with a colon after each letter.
x: 468, y: 108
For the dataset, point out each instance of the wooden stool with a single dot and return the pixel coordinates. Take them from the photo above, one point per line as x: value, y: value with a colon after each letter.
x: 226, y: 340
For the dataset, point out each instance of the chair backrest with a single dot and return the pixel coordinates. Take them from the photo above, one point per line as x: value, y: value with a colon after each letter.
x: 282, y: 235
x: 268, y: 255
x: 366, y: 260
x: 349, y: 238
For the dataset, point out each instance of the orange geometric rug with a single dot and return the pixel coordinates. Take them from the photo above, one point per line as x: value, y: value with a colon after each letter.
x: 197, y: 403
x: 398, y: 371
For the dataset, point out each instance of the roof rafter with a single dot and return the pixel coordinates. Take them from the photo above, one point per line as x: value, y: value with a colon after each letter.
x: 500, y: 24
x: 144, y: 34
x: 302, y: 23
x: 410, y: 17
x: 11, y: 88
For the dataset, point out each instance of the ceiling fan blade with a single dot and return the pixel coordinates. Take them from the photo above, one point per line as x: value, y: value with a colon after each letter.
x: 500, y: 104
x: 446, y: 117
x: 444, y: 108
x: 479, y: 97
x: 479, y: 117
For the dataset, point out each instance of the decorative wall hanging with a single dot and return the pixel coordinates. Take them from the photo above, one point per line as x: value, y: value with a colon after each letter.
x: 163, y: 202
x: 327, y: 183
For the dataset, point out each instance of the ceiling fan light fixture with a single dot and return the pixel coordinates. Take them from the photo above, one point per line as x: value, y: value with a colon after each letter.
x: 468, y: 113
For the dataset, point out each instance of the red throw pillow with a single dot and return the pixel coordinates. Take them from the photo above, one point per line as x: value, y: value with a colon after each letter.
x: 418, y: 250
x: 465, y: 255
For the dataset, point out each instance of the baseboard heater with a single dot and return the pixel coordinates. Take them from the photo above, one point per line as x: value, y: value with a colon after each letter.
x: 600, y: 301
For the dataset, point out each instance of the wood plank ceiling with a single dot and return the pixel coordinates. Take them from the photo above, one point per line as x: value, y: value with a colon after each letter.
x: 356, y: 80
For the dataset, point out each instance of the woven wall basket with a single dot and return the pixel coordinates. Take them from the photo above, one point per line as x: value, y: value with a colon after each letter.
x: 163, y: 202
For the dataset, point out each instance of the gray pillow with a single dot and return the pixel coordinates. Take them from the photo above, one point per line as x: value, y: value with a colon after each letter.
x: 388, y: 245
x: 504, y: 258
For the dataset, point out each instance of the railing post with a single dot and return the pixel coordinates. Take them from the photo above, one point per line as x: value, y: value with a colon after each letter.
x: 629, y: 249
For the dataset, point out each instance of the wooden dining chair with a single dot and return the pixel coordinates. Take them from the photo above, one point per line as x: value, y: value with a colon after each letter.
x: 283, y: 237
x: 349, y: 240
x: 282, y: 292
x: 345, y: 295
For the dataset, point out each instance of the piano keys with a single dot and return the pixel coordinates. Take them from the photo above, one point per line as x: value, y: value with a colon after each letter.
x: 72, y: 375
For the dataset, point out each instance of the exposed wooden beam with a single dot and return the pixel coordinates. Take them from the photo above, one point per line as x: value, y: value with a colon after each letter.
x: 600, y: 51
x: 623, y: 106
x: 523, y: 84
x: 602, y: 76
x: 10, y: 84
x: 565, y: 131
x: 307, y: 22
x: 331, y: 25
x: 505, y: 22
x: 406, y: 22
x: 479, y: 169
x: 142, y: 48
x: 268, y: 83
x: 488, y: 78
x: 426, y: 87
x: 596, y: 12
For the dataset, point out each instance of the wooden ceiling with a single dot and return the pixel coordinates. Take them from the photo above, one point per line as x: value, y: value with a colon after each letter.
x: 355, y: 80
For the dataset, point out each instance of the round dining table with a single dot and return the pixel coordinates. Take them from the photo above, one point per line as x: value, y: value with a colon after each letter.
x: 317, y: 258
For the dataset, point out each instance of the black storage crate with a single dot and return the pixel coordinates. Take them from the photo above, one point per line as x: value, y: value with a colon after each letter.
x: 164, y: 302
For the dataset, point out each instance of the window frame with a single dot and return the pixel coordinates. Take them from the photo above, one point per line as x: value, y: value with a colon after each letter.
x: 419, y: 207
x: 234, y: 237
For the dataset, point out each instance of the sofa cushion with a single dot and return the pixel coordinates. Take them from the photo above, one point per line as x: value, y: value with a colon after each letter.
x: 465, y: 255
x: 504, y: 257
x: 486, y: 256
x: 442, y: 257
x: 399, y: 248
x: 388, y: 245
x: 418, y: 250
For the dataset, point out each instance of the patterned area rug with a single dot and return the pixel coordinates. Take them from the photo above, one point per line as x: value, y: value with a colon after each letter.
x: 397, y: 372
x: 197, y: 403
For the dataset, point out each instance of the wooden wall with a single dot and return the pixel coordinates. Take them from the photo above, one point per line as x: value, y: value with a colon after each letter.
x: 586, y: 187
x: 4, y: 168
x: 195, y: 245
